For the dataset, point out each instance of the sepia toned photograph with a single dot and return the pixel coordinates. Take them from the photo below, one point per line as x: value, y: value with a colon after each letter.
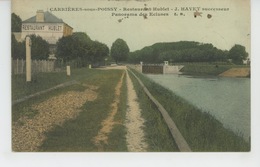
x: 131, y: 76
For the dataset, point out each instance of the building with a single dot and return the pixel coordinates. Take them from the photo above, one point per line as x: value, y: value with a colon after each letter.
x: 46, y: 25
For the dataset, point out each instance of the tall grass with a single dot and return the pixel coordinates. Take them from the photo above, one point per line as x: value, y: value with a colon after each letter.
x: 201, y: 130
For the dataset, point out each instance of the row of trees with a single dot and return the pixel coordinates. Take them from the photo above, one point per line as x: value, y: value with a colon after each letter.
x: 79, y: 47
x: 187, y: 51
x: 39, y: 50
x: 76, y: 47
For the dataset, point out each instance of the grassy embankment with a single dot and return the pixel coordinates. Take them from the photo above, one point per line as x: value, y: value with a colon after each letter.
x: 41, y: 81
x: 157, y: 134
x: 201, y: 130
x: 76, y: 134
x: 208, y: 69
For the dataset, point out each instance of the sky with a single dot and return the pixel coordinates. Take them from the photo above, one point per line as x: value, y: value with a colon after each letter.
x: 223, y: 29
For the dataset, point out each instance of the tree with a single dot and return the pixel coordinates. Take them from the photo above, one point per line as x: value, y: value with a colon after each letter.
x: 17, y: 49
x: 39, y: 48
x: 16, y: 23
x: 98, y: 52
x: 80, y: 48
x: 119, y: 50
x: 238, y: 53
x: 65, y: 48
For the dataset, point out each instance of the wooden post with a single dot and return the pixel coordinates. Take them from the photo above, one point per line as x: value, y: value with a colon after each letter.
x: 165, y: 67
x: 22, y: 69
x: 141, y: 64
x: 17, y: 66
x: 68, y: 71
x: 28, y: 60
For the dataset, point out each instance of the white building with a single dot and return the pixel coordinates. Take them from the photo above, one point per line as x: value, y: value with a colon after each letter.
x: 46, y: 25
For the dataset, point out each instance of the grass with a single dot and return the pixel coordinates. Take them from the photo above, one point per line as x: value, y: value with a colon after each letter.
x: 201, y: 130
x: 77, y: 135
x: 157, y: 134
x: 208, y: 69
x: 41, y: 81
x: 117, y: 139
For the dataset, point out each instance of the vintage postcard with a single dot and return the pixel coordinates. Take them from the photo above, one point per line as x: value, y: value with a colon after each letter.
x: 131, y: 75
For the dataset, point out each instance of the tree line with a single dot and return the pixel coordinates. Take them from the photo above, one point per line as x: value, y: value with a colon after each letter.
x: 79, y: 48
x: 187, y: 51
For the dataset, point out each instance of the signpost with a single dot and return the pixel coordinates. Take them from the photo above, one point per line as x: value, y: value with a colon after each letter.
x: 28, y: 44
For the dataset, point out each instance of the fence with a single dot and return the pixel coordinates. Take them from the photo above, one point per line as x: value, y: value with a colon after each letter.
x: 19, y: 66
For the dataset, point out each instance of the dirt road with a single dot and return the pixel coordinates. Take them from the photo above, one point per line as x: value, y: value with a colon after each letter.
x: 134, y: 122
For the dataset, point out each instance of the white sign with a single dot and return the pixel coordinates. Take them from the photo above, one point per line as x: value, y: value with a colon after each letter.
x: 43, y: 27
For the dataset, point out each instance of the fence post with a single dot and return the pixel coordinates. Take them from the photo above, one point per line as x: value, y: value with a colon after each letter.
x: 48, y: 66
x: 22, y: 62
x: 17, y: 66
x: 42, y: 66
x: 68, y: 71
x: 141, y: 64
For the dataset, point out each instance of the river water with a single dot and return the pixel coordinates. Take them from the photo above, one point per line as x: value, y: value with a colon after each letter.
x: 227, y: 99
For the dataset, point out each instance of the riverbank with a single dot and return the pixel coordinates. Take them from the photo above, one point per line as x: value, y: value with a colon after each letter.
x: 225, y: 98
x: 216, y: 70
x: 201, y: 130
x: 236, y: 72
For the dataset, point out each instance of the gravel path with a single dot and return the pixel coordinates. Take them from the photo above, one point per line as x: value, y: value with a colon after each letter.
x: 28, y: 133
x: 134, y: 121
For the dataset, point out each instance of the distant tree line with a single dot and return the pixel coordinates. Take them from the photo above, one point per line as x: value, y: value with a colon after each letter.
x: 187, y: 51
